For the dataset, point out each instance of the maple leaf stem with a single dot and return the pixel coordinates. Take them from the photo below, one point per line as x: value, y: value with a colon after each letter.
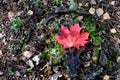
x: 71, y: 50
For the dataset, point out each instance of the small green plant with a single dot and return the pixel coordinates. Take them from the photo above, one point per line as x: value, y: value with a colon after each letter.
x: 95, y: 37
x: 10, y: 72
x: 57, y: 2
x: 29, y: 69
x: 36, y: 2
x: 16, y: 23
x: 24, y: 47
x: 1, y: 22
x: 73, y: 5
x: 55, y: 52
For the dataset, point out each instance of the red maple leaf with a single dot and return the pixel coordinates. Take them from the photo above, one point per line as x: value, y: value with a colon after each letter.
x: 72, y: 37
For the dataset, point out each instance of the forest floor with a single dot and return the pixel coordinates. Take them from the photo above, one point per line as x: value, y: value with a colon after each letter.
x: 29, y: 51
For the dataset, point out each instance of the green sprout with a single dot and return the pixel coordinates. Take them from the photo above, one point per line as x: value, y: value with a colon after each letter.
x: 29, y: 69
x: 16, y: 23
x: 24, y: 47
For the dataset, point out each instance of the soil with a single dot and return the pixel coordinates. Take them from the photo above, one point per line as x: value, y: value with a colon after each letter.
x: 41, y: 21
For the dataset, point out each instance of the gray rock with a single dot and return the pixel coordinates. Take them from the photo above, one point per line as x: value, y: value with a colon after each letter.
x: 93, y: 2
x: 99, y: 11
x: 30, y: 63
x: 17, y: 73
x: 1, y: 36
x: 1, y: 73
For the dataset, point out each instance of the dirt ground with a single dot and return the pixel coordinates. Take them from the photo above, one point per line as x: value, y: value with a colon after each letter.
x: 27, y: 28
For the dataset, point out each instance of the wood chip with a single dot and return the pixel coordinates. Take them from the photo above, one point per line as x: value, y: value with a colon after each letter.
x: 106, y: 16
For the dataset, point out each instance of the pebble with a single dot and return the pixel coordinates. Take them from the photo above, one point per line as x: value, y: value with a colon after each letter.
x: 30, y: 63
x: 0, y: 52
x: 1, y: 36
x: 118, y: 59
x: 27, y: 54
x: 106, y: 16
x: 112, y: 3
x: 87, y: 64
x: 19, y: 13
x: 80, y: 18
x: 106, y: 77
x: 113, y: 31
x: 1, y: 73
x: 4, y: 41
x: 93, y: 2
x: 36, y: 59
x: 99, y: 11
x: 30, y: 12
x: 17, y: 73
x: 92, y: 10
x: 10, y: 15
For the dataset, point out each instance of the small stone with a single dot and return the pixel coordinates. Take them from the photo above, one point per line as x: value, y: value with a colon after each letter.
x: 113, y: 31
x: 30, y: 12
x: 118, y: 59
x: 93, y: 2
x: 25, y: 75
x: 1, y: 36
x: 106, y: 77
x: 1, y: 73
x: 87, y: 64
x: 4, y: 41
x: 99, y: 11
x: 27, y: 54
x: 92, y: 10
x: 87, y: 4
x: 19, y: 13
x: 106, y: 16
x: 0, y: 52
x: 30, y: 63
x: 112, y: 3
x: 44, y: 2
x: 17, y: 73
x: 80, y: 18
x: 10, y: 15
x: 80, y: 4
x: 36, y: 59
